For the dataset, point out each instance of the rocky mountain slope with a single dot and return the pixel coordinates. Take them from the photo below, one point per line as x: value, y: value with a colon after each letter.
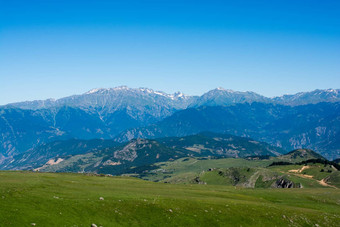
x: 311, y: 126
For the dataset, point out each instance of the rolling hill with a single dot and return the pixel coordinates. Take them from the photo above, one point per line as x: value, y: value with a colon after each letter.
x: 300, y: 155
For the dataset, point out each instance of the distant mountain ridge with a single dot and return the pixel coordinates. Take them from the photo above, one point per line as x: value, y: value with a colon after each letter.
x: 112, y: 99
x: 312, y: 97
x: 108, y: 113
x: 223, y: 97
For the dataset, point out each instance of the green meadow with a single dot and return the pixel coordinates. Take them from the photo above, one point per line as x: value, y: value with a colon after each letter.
x: 64, y: 199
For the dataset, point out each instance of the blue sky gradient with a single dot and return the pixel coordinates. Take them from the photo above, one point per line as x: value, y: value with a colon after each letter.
x: 59, y: 48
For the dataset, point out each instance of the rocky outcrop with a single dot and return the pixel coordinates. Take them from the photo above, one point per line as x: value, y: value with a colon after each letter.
x: 284, y: 183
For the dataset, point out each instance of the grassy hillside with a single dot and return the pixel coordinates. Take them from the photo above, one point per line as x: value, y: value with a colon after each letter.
x: 59, y: 199
x: 251, y: 172
x: 299, y: 155
x: 183, y: 170
x: 284, y: 176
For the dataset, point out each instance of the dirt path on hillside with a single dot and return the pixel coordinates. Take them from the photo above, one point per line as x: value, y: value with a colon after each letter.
x: 321, y: 182
x: 334, y: 168
x: 324, y: 183
x: 298, y: 172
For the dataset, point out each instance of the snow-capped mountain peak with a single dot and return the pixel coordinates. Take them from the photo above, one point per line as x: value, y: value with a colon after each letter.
x: 95, y: 90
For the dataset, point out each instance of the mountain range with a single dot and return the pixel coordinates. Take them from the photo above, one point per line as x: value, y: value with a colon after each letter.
x: 307, y: 119
x: 123, y: 97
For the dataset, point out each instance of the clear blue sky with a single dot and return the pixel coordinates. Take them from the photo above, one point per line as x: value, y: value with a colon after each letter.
x: 59, y: 48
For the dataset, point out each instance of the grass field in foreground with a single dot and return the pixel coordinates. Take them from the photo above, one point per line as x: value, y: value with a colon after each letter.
x: 60, y: 199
